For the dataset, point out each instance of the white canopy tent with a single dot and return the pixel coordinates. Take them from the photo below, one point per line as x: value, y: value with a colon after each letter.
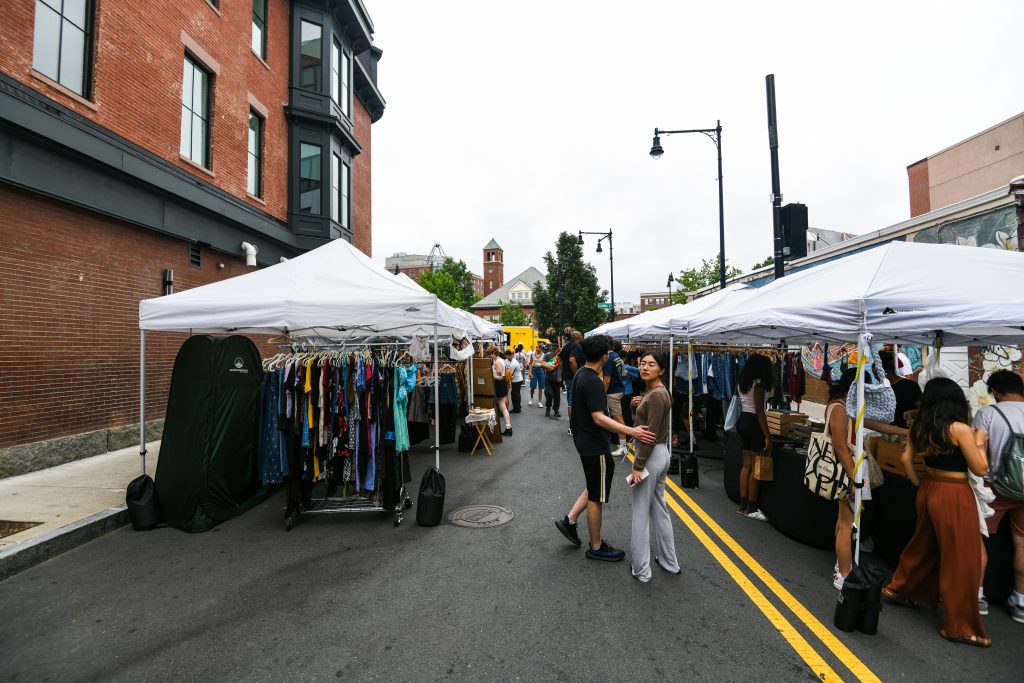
x: 334, y: 292
x: 669, y: 323
x: 906, y: 293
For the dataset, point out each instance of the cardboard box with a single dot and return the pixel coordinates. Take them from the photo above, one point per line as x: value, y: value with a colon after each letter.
x: 888, y: 453
x: 483, y: 382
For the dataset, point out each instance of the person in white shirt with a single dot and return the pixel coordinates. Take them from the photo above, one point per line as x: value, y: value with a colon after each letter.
x: 994, y: 427
x: 517, y: 381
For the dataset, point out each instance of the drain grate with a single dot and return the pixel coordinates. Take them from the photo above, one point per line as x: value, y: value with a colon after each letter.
x: 9, y: 528
x: 480, y: 516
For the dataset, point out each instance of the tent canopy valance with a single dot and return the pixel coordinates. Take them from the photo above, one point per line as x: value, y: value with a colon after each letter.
x: 907, y: 293
x: 329, y: 292
x: 674, y: 320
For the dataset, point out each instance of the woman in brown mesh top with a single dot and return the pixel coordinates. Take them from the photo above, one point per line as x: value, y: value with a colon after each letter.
x: 649, y: 506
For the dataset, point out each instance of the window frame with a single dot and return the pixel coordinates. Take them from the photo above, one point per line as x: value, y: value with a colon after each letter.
x: 258, y: 154
x: 88, y: 42
x: 262, y: 52
x: 320, y: 67
x: 320, y: 169
x: 205, y: 117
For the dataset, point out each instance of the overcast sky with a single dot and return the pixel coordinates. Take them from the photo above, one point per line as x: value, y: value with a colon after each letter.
x: 517, y: 120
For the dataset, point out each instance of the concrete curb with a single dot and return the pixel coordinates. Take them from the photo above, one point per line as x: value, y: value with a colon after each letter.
x: 19, y: 557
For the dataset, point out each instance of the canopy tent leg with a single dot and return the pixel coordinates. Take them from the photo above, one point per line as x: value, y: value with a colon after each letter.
x: 142, y: 398
x: 672, y: 400
x: 689, y: 391
x: 437, y: 406
x: 863, y: 349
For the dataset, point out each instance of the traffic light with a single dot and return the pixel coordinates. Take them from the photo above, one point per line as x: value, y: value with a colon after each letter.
x: 794, y: 230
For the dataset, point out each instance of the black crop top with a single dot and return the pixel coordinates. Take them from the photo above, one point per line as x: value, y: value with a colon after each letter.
x: 951, y: 461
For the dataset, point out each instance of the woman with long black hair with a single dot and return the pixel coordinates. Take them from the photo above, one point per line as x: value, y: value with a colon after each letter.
x: 942, y: 558
x: 754, y: 383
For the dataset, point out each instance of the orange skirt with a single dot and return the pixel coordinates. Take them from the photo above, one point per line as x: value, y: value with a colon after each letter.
x: 944, y: 556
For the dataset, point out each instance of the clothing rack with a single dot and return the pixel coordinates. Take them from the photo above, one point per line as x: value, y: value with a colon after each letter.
x: 389, y: 354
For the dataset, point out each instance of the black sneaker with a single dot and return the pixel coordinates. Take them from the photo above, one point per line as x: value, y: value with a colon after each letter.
x: 558, y: 415
x: 569, y: 431
x: 507, y: 432
x: 568, y: 530
x: 606, y: 553
x: 547, y: 413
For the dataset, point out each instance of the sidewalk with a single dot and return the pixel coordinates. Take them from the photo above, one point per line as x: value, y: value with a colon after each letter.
x: 70, y: 504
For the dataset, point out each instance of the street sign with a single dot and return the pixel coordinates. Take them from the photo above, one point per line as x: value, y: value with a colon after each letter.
x: 605, y: 306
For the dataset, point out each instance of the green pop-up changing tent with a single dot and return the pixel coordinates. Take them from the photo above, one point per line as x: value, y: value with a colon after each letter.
x: 208, y: 470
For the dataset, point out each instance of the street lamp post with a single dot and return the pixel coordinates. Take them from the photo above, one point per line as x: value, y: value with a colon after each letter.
x: 715, y: 134
x: 611, y: 260
x: 558, y: 332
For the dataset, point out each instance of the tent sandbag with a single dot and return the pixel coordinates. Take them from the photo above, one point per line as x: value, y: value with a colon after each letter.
x: 208, y: 471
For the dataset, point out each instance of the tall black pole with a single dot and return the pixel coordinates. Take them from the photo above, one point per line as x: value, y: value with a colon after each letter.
x: 721, y: 208
x: 773, y: 145
x: 558, y: 332
x: 611, y: 267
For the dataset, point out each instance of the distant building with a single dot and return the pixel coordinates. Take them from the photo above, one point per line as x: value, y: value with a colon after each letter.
x: 652, y: 300
x: 415, y: 265
x: 518, y: 289
x: 494, y: 267
x: 625, y: 309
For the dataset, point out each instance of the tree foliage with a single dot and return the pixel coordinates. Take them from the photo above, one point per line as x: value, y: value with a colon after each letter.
x: 452, y: 283
x: 570, y: 294
x: 770, y: 261
x: 692, y: 279
x: 512, y: 314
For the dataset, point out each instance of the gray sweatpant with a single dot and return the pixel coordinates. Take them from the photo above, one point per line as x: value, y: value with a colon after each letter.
x: 649, y: 507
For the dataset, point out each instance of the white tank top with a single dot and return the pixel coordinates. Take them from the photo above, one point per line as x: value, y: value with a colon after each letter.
x: 747, y: 399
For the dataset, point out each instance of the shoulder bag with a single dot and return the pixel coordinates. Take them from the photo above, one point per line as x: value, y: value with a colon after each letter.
x: 732, y: 416
x: 824, y: 474
x: 879, y: 398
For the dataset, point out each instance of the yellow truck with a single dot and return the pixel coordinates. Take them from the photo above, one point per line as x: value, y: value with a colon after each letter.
x: 522, y: 334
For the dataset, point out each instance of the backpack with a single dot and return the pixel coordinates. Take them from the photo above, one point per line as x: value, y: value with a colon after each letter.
x: 1008, y: 481
x: 621, y: 367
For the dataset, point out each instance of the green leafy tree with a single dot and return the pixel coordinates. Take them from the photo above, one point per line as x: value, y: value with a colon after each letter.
x: 512, y: 314
x: 452, y: 283
x: 570, y: 294
x: 770, y: 261
x: 692, y: 279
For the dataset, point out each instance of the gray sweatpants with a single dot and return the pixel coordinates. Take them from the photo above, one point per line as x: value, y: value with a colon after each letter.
x: 649, y: 507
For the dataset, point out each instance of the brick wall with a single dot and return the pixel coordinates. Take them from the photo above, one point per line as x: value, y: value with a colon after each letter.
x: 920, y: 197
x: 362, y: 217
x: 137, y: 81
x: 70, y: 285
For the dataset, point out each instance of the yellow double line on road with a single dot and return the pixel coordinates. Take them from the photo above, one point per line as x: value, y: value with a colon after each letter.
x: 811, y: 656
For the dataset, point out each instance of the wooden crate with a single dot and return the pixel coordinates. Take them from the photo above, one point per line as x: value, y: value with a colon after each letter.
x: 781, y: 424
x: 888, y: 453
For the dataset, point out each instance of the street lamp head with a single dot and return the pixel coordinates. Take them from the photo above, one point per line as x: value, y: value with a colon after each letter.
x: 397, y: 271
x: 599, y: 246
x: 579, y: 238
x: 656, y: 150
x: 671, y: 279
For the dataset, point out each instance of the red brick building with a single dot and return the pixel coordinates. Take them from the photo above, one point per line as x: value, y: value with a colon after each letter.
x: 140, y: 145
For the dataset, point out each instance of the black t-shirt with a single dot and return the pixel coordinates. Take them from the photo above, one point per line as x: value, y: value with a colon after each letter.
x: 571, y: 350
x: 589, y: 397
x: 908, y: 395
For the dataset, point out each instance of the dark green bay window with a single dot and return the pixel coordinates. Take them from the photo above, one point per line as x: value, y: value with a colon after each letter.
x: 309, y: 178
x: 310, y: 57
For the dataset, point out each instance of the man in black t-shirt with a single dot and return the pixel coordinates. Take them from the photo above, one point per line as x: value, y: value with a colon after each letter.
x: 908, y: 393
x: 571, y: 359
x: 590, y: 433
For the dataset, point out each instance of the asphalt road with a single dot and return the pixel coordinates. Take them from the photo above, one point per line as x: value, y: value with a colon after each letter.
x: 350, y: 597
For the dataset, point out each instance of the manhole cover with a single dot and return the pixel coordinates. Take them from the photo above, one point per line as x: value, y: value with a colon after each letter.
x: 480, y: 516
x: 8, y: 528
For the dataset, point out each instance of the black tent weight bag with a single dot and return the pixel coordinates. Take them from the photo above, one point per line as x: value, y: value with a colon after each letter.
x: 691, y: 472
x: 143, y: 504
x: 430, y: 505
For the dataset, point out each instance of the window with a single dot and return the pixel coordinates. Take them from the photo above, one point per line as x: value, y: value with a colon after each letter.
x: 195, y: 113
x: 259, y: 27
x: 62, y: 45
x: 346, y: 71
x: 346, y: 207
x: 255, y: 185
x: 310, y: 61
x: 335, y: 188
x: 309, y: 178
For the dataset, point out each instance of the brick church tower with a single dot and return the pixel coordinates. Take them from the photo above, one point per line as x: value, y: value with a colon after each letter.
x: 494, y: 267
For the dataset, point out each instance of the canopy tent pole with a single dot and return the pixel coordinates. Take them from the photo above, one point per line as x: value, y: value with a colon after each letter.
x: 863, y: 349
x: 672, y: 398
x: 437, y: 407
x: 142, y: 398
x: 689, y: 390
